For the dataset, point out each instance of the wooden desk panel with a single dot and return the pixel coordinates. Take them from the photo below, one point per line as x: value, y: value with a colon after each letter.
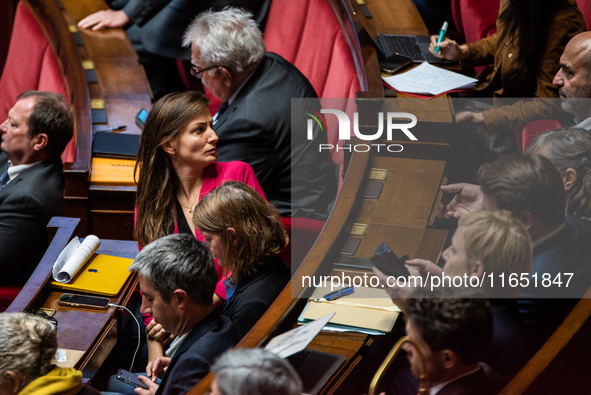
x: 123, y: 88
x: 93, y: 331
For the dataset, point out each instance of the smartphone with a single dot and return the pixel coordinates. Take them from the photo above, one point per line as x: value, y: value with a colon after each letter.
x: 130, y: 378
x: 92, y: 302
x: 394, y: 63
x: 140, y: 118
x: 388, y: 262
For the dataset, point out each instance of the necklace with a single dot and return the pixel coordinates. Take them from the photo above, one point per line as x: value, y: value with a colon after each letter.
x: 190, y: 208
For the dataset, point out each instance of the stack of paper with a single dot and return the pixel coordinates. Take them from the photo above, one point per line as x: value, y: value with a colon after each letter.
x: 429, y: 80
x: 367, y: 310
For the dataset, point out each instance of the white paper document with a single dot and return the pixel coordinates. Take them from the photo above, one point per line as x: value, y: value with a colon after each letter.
x: 297, y: 339
x: 429, y: 80
x: 73, y: 257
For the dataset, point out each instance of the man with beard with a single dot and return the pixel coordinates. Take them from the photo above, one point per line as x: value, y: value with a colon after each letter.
x: 574, y: 79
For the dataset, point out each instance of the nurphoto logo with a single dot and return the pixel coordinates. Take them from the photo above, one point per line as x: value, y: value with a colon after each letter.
x: 402, y: 121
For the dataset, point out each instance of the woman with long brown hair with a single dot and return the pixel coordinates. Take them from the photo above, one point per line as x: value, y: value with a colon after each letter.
x: 177, y: 166
x: 522, y: 58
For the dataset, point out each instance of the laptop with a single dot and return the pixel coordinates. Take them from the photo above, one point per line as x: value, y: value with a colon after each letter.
x: 415, y: 47
x: 314, y: 367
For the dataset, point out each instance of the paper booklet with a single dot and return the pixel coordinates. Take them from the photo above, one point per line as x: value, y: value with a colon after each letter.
x: 73, y: 257
x: 429, y: 80
x: 367, y: 310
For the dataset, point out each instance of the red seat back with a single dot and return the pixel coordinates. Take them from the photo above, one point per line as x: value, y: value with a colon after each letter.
x: 533, y: 130
x: 475, y: 19
x: 585, y: 7
x: 30, y: 65
x: 308, y: 34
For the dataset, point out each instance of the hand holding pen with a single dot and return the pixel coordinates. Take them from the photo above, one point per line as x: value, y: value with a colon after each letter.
x: 443, y: 47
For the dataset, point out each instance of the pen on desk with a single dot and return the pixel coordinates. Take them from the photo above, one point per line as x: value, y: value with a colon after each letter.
x: 116, y: 129
x: 339, y: 294
x: 442, y: 33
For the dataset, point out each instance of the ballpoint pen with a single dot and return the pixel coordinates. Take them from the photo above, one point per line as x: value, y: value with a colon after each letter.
x: 338, y: 294
x: 116, y: 129
x: 441, y: 35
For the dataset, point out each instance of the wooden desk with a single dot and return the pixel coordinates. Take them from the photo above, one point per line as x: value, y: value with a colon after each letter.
x: 90, y: 330
x: 122, y: 90
x: 402, y: 216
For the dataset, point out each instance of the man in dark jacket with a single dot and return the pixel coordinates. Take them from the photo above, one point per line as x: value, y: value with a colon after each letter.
x: 37, y: 130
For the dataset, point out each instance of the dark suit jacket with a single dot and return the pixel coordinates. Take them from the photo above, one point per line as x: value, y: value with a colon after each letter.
x: 256, y: 129
x: 161, y: 24
x: 27, y: 204
x: 568, y: 251
x: 256, y: 293
x: 209, y: 338
x: 485, y: 381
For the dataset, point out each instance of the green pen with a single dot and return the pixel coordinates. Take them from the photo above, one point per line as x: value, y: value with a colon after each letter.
x: 441, y: 36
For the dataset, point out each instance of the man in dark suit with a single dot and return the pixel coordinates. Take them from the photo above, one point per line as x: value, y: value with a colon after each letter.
x: 254, y: 121
x: 177, y: 278
x: 532, y: 189
x: 37, y: 130
x: 454, y: 328
x: 155, y: 28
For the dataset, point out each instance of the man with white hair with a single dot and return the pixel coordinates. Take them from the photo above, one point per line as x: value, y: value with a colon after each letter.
x: 254, y: 123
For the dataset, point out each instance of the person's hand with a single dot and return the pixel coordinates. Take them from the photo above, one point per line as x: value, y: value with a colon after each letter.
x: 396, y: 293
x: 152, y: 387
x: 156, y: 367
x: 424, y: 266
x: 448, y: 49
x: 467, y: 117
x: 468, y: 198
x: 103, y: 19
x: 154, y: 331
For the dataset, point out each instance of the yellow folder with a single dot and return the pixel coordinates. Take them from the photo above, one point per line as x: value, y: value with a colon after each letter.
x: 109, y: 171
x: 102, y: 275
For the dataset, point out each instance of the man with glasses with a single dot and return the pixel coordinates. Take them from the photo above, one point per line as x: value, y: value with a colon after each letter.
x: 254, y: 120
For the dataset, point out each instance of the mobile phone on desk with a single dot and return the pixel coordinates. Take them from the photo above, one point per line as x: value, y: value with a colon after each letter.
x: 130, y: 378
x: 394, y: 63
x: 388, y: 262
x: 86, y: 301
x: 140, y: 118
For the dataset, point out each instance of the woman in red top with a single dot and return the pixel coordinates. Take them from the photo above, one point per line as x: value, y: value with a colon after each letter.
x: 177, y: 166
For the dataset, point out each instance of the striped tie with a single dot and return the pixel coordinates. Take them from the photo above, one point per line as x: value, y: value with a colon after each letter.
x: 223, y: 107
x: 4, y: 179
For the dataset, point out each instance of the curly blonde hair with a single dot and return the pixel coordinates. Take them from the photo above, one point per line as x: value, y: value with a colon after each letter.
x: 27, y: 346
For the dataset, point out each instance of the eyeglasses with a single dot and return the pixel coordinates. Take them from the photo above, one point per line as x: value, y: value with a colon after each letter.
x: 195, y: 72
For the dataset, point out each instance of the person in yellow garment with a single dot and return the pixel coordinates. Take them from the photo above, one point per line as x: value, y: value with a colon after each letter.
x: 27, y: 346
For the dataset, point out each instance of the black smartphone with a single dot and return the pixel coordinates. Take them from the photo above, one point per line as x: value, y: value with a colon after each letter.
x: 92, y: 302
x: 130, y: 378
x: 140, y: 118
x: 388, y: 262
x: 394, y: 63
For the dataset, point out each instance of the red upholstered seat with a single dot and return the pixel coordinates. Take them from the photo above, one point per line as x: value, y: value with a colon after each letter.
x: 30, y: 64
x: 308, y: 34
x: 475, y: 19
x: 533, y: 130
x: 7, y: 295
x: 585, y: 7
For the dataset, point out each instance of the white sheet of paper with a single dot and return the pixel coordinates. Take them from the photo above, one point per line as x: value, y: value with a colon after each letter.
x: 73, y: 257
x: 297, y: 339
x: 428, y: 79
